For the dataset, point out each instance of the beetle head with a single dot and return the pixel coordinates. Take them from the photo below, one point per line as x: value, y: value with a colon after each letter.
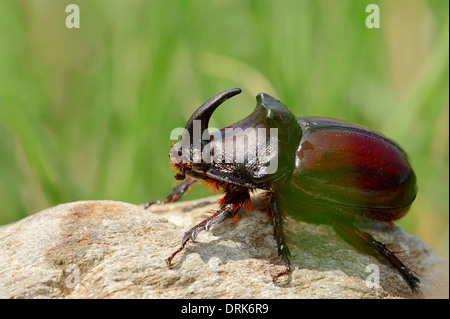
x: 254, y: 150
x: 186, y: 154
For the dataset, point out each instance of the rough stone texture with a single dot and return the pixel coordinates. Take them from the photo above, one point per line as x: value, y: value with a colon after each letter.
x: 107, y: 249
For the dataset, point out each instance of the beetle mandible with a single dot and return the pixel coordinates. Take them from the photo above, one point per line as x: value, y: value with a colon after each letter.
x: 328, y: 172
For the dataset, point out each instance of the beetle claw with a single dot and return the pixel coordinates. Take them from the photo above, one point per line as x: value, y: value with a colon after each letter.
x: 148, y: 204
x: 287, y: 272
x: 413, y: 282
x: 158, y: 202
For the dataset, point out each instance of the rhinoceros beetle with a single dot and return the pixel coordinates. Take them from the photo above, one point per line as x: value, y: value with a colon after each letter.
x: 317, y: 170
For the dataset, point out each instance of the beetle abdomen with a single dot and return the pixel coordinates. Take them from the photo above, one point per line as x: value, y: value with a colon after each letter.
x: 349, y: 166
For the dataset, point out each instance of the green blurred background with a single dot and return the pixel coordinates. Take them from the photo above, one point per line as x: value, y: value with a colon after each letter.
x: 86, y: 113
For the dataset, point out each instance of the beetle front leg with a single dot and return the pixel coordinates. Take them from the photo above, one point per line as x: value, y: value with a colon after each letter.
x: 176, y: 194
x: 233, y: 201
x: 369, y: 244
x: 283, y: 250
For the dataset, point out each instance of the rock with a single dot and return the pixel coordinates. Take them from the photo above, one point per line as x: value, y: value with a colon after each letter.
x: 107, y: 249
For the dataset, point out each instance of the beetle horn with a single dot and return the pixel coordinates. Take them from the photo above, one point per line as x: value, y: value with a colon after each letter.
x: 204, y: 112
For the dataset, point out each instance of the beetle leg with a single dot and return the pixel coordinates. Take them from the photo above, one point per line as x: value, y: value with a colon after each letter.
x: 232, y: 202
x: 283, y: 250
x: 176, y: 194
x: 368, y: 243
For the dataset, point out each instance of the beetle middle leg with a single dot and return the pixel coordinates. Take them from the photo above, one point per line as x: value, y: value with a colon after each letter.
x: 232, y: 202
x: 277, y: 220
x: 369, y: 244
x: 176, y: 194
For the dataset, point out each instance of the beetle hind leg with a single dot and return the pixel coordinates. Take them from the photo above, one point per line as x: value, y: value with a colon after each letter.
x: 367, y: 243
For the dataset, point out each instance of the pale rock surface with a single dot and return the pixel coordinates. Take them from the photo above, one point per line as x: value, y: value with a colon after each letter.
x: 107, y: 249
